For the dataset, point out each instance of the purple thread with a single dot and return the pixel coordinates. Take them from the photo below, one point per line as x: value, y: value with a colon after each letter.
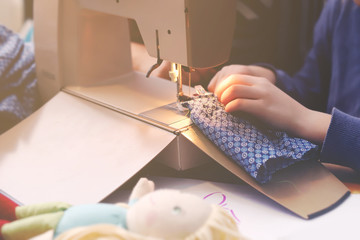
x: 223, y: 204
x: 223, y: 195
x: 232, y: 213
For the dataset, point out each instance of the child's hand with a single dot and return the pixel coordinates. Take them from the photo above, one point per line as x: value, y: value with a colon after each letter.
x: 227, y: 71
x: 259, y: 97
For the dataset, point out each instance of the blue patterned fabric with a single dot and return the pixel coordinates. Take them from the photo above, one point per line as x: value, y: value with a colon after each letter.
x: 261, y: 152
x: 18, y: 90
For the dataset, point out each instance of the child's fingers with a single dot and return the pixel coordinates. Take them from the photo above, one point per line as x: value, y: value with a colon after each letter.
x: 212, y: 85
x: 235, y: 79
x: 219, y: 77
x: 239, y: 91
x: 242, y: 104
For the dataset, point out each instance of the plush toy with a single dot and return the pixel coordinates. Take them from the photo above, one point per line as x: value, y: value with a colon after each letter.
x: 161, y: 214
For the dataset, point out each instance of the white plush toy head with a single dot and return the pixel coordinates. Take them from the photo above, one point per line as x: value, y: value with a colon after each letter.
x: 168, y: 214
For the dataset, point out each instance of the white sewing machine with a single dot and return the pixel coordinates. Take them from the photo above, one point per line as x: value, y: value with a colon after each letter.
x: 89, y: 41
x: 104, y: 119
x: 84, y: 49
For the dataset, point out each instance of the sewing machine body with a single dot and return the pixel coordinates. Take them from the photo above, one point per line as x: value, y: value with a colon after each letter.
x: 89, y: 54
x: 87, y: 43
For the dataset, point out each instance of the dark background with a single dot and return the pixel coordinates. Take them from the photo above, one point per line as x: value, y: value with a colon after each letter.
x: 281, y: 35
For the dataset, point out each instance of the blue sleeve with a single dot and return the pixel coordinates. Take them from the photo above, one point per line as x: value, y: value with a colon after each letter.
x: 310, y: 85
x: 18, y: 89
x: 342, y: 142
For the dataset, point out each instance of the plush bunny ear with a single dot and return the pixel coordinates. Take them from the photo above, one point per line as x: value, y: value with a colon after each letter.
x: 143, y: 187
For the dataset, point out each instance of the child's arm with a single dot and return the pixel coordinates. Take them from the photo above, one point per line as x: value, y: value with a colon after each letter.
x: 342, y: 142
x: 339, y: 133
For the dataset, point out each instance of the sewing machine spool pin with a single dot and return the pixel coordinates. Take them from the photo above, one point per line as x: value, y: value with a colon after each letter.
x: 179, y: 83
